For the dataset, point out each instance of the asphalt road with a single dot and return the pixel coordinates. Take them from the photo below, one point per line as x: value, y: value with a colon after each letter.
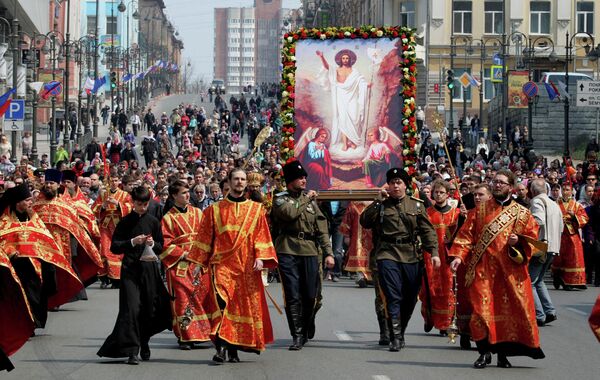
x: 345, y: 346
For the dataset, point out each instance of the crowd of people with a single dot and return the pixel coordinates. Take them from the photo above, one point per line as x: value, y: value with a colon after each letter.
x: 189, y: 207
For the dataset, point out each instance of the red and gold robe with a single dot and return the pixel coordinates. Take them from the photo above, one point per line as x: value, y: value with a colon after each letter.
x: 86, y: 216
x: 187, y: 281
x: 361, y: 242
x: 569, y: 264
x: 231, y: 236
x: 437, y: 306
x: 16, y: 319
x: 503, y: 318
x: 61, y: 220
x: 32, y: 240
x: 595, y: 319
x: 107, y: 221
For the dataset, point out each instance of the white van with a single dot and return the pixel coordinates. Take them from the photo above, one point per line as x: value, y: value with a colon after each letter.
x: 556, y: 76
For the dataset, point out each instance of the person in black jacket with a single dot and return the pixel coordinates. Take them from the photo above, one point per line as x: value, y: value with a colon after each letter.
x: 144, y: 308
x: 91, y: 149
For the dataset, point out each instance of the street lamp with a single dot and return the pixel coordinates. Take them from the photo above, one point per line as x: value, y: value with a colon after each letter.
x: 14, y: 37
x: 483, y: 44
x: 532, y: 44
x: 569, y: 57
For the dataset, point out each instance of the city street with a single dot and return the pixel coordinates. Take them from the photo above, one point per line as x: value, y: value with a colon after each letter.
x: 345, y: 346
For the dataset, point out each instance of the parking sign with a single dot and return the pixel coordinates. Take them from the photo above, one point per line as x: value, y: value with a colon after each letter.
x: 16, y: 110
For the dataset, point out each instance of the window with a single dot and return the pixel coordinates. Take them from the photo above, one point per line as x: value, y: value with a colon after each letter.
x: 489, y: 90
x: 460, y: 93
x: 585, y: 17
x: 540, y: 17
x: 91, y: 25
x: 463, y: 17
x: 493, y: 17
x: 407, y: 14
x: 111, y: 25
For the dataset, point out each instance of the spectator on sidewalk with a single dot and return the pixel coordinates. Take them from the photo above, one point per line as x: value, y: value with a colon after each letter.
x: 91, y: 149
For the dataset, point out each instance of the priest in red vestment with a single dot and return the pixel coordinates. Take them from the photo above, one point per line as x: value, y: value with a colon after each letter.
x: 61, y: 220
x: 494, y: 245
x: 568, y: 268
x: 437, y: 293
x: 75, y: 197
x: 595, y: 319
x: 46, y: 275
x: 359, y: 241
x: 110, y: 207
x: 188, y: 282
x: 235, y: 244
x: 16, y: 319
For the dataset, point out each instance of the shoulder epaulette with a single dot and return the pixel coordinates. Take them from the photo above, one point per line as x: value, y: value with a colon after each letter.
x: 417, y: 199
x: 281, y: 194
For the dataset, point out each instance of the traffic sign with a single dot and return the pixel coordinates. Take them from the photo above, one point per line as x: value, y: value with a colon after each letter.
x: 530, y: 89
x: 496, y: 74
x: 497, y: 59
x: 56, y: 88
x: 16, y: 110
x: 588, y: 93
x: 14, y: 125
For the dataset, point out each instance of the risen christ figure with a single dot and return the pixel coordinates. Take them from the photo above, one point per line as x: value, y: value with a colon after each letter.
x: 348, y: 95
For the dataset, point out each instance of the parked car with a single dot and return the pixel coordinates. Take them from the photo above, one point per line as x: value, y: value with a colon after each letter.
x: 556, y: 77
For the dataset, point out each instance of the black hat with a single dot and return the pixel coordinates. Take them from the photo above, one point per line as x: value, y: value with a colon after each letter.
x: 398, y: 173
x: 39, y: 172
x: 292, y: 171
x: 53, y: 175
x: 16, y: 194
x: 69, y: 175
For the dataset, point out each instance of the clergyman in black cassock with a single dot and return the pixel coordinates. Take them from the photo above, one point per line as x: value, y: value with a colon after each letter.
x: 144, y: 308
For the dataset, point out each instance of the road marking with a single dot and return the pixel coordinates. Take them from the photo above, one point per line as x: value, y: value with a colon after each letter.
x: 342, y: 335
x: 380, y: 377
x: 576, y: 311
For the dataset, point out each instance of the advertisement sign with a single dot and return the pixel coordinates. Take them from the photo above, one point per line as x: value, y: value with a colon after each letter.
x: 107, y: 40
x: 516, y: 97
x: 45, y: 75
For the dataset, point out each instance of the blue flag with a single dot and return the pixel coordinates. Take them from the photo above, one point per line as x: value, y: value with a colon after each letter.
x: 127, y: 77
x: 5, y: 101
x: 552, y: 93
x: 98, y: 83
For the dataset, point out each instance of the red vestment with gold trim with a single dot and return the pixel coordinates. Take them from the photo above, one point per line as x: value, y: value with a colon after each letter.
x: 437, y: 307
x: 81, y: 205
x: 186, y: 281
x: 61, y: 220
x: 361, y: 241
x: 595, y: 319
x: 108, y: 219
x: 31, y: 239
x: 503, y: 318
x: 569, y: 264
x: 16, y: 319
x: 232, y: 235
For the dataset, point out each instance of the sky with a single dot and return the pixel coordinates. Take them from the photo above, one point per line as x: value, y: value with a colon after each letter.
x: 194, y: 19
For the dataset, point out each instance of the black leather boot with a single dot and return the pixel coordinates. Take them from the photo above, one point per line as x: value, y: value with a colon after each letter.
x: 503, y: 361
x: 395, y: 341
x: 220, y: 356
x: 296, y: 327
x: 483, y: 360
x: 232, y: 353
x: 384, y: 331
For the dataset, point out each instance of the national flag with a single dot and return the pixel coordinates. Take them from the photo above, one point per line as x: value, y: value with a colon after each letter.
x: 5, y: 101
x: 48, y: 88
x: 36, y: 86
x: 127, y: 77
x: 563, y: 89
x: 98, y: 83
x: 552, y: 91
x: 474, y: 82
x: 89, y: 84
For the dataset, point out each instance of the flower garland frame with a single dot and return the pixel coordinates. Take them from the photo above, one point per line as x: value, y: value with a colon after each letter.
x: 407, y: 88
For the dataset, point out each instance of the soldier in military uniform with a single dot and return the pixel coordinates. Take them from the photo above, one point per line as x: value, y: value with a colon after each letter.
x: 297, y: 250
x: 398, y: 222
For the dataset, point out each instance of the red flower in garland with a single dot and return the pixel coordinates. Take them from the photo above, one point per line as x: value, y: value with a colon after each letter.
x: 365, y: 35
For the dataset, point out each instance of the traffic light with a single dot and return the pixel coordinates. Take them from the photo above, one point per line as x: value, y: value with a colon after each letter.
x: 113, y: 80
x: 450, y: 80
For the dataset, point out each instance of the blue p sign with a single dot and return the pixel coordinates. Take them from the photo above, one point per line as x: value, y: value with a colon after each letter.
x: 16, y: 110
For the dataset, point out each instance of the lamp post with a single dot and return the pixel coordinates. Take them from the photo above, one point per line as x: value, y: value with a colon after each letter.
x: 451, y: 92
x: 483, y: 44
x: 122, y: 8
x: 53, y: 139
x: 468, y: 51
x: 569, y: 57
x: 95, y: 95
x: 66, y: 78
x: 14, y: 37
x: 532, y: 44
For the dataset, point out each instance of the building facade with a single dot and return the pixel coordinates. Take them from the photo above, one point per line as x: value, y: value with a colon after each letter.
x: 466, y: 35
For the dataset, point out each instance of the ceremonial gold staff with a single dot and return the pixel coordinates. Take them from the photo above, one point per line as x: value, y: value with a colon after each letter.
x: 453, y: 328
x: 258, y: 141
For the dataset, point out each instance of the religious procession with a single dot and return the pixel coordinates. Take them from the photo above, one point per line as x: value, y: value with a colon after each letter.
x: 325, y: 219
